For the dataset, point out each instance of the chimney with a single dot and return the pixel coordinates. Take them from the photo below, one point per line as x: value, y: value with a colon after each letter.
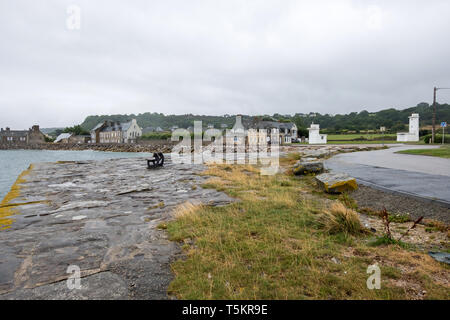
x: 7, y: 128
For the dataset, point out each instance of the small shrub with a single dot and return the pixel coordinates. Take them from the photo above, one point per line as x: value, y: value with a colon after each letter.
x: 385, y: 241
x: 348, y: 201
x: 340, y: 219
x: 399, y: 218
x: 437, y: 138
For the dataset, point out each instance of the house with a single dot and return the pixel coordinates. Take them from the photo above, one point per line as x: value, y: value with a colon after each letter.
x: 116, y: 132
x: 63, y: 138
x: 314, y: 135
x: 287, y: 131
x: 413, y: 134
x: 80, y: 139
x: 30, y: 136
x: 95, y: 132
x: 131, y: 131
x: 111, y: 133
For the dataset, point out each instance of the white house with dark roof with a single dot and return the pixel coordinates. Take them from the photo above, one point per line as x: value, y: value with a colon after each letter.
x: 287, y: 131
x: 131, y: 131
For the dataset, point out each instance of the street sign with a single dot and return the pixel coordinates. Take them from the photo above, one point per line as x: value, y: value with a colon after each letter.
x: 382, y: 129
x: 443, y: 124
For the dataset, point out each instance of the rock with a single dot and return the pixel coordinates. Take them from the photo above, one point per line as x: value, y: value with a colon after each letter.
x: 336, y: 182
x: 336, y: 261
x: 308, y: 166
x: 440, y: 256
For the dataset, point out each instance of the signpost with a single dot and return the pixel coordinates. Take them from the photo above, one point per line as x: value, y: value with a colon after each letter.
x: 443, y: 125
x: 383, y: 129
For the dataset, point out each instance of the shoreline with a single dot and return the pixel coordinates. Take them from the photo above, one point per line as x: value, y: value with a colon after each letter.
x: 104, y: 217
x: 151, y: 146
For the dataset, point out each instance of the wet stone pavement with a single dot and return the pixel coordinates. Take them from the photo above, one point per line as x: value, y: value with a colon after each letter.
x: 103, y: 218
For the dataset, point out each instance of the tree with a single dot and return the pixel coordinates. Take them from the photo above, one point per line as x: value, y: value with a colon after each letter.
x: 76, y: 130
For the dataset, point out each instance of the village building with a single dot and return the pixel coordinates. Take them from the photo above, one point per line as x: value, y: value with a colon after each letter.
x: 116, y: 132
x: 30, y: 136
x: 287, y: 131
x: 314, y: 135
x: 112, y: 133
x: 63, y: 138
x: 413, y: 134
x: 148, y: 130
x: 95, y: 132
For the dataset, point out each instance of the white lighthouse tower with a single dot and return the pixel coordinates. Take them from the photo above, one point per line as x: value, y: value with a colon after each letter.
x: 314, y: 136
x: 413, y: 134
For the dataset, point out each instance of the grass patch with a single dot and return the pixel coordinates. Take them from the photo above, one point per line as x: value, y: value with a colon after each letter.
x: 442, y: 152
x: 340, y: 219
x: 275, y: 244
x: 384, y: 241
x: 361, y: 136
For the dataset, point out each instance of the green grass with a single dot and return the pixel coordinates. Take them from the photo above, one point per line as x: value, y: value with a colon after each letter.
x: 442, y: 152
x: 376, y: 136
x: 277, y: 242
x: 362, y: 142
x: 356, y: 138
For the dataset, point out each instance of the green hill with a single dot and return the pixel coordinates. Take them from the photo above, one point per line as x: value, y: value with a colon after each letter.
x: 393, y: 119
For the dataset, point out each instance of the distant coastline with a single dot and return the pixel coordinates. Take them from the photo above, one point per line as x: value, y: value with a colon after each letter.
x: 147, y: 146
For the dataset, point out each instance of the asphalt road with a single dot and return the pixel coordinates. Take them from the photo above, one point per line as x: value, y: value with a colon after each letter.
x: 421, y: 176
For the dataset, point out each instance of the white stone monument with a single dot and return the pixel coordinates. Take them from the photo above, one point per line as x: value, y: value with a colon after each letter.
x: 413, y: 134
x: 314, y: 136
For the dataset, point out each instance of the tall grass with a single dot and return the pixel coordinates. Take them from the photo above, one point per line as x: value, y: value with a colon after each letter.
x: 340, y: 219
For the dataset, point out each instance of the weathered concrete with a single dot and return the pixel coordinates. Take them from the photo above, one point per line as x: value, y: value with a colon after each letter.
x: 102, y: 217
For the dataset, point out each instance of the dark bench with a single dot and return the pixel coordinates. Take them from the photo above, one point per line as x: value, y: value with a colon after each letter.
x: 157, y: 161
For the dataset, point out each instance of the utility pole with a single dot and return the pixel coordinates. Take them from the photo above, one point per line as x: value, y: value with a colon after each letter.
x: 434, y: 115
x: 433, y: 130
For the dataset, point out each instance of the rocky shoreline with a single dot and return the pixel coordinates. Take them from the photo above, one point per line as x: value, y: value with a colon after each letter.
x: 101, y: 216
x: 156, y: 146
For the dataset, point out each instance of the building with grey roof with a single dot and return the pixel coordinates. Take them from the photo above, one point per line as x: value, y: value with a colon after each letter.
x: 30, y: 136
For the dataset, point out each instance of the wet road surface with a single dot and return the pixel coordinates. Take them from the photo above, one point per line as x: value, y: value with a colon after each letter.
x: 420, y: 176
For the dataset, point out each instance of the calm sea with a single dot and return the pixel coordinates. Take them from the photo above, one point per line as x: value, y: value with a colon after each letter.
x: 13, y: 162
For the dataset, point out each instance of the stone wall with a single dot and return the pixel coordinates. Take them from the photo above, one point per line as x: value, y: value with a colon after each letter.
x: 164, y: 147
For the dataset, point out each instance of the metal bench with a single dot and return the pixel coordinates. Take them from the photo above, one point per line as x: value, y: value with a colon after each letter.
x: 157, y: 161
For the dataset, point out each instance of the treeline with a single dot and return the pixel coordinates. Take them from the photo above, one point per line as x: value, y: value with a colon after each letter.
x: 394, y: 120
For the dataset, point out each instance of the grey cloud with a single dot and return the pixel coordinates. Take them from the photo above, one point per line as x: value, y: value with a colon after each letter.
x: 216, y: 57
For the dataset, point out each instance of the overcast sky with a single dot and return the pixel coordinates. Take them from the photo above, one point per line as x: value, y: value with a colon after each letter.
x: 217, y: 57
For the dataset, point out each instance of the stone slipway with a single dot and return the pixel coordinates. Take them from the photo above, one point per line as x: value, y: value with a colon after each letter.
x: 102, y: 217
